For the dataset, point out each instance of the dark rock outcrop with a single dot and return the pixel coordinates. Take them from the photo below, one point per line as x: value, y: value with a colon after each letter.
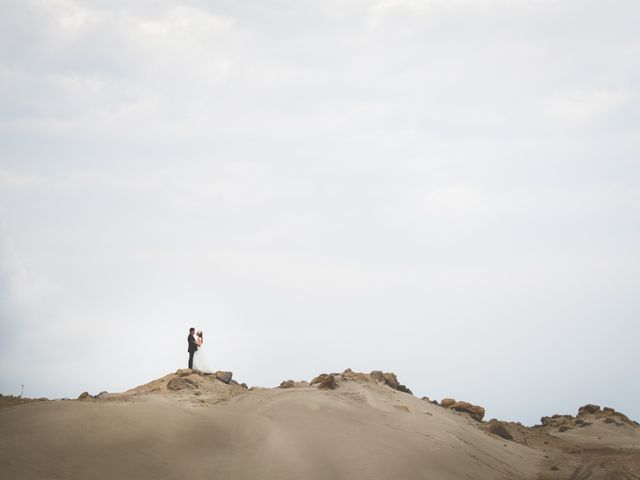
x: 325, y: 381
x: 499, y: 428
x: 475, y: 411
x: 390, y: 379
x: 288, y: 384
x: 556, y: 420
x: 224, y: 377
x: 588, y: 409
x: 587, y: 414
x: 88, y: 396
x: 447, y: 402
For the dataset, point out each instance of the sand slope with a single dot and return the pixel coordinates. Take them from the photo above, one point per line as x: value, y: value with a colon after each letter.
x: 362, y: 429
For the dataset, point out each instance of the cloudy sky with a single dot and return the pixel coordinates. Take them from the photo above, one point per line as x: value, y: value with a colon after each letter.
x: 446, y: 189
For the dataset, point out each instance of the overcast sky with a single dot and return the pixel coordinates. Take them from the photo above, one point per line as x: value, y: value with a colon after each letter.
x: 446, y: 189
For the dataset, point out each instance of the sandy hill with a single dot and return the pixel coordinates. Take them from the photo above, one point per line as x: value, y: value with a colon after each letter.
x: 188, y: 425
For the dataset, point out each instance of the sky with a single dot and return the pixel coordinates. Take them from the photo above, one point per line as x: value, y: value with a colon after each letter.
x: 445, y: 189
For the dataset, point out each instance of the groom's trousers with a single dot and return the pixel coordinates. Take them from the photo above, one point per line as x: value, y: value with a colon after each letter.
x: 191, y: 359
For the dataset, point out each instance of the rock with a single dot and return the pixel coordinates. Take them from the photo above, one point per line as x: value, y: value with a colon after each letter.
x: 288, y: 384
x: 606, y: 411
x: 84, y: 396
x: 588, y: 409
x: 567, y: 421
x: 556, y: 420
x: 554, y: 468
x: 224, y: 377
x: 320, y: 378
x: 564, y: 428
x: 328, y: 383
x: 180, y: 383
x: 390, y: 379
x: 403, y: 388
x: 579, y: 422
x: 183, y: 372
x: 447, y: 402
x: 244, y: 385
x: 350, y: 376
x: 499, y: 428
x: 325, y: 381
x: 476, y: 412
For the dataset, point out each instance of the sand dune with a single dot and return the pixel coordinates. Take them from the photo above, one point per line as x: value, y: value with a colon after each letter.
x: 202, y: 428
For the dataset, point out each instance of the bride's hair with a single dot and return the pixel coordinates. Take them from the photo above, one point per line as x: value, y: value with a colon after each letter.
x: 199, y: 334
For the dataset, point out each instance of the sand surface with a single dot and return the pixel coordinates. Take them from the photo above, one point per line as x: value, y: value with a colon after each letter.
x: 361, y: 429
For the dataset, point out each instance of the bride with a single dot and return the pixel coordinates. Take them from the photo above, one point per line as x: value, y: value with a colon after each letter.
x: 199, y: 360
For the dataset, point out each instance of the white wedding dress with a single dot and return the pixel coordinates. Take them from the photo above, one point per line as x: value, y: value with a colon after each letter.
x: 200, y: 361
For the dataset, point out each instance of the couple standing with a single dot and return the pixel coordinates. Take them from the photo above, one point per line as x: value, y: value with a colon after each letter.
x: 197, y: 360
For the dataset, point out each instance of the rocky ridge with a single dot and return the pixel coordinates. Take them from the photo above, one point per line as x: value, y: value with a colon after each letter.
x: 220, y: 385
x: 597, y: 443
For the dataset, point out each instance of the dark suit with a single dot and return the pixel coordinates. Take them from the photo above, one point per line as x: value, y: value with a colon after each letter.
x: 193, y: 346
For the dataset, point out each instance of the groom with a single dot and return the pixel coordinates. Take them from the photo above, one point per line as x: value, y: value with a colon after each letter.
x: 193, y: 346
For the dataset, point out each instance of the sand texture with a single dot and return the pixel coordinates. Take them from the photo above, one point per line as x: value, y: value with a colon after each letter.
x: 347, y: 426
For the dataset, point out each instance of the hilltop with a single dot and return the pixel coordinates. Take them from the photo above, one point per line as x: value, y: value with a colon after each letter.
x: 337, y: 425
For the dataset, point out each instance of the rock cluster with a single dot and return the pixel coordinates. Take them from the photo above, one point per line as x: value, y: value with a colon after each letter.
x: 333, y: 380
x: 293, y: 384
x: 609, y: 414
x: 223, y: 376
x: 325, y: 381
x: 447, y: 402
x: 586, y: 415
x: 587, y: 409
x: 561, y: 422
x: 389, y: 379
x: 88, y: 396
x: 181, y: 382
x: 475, y: 411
